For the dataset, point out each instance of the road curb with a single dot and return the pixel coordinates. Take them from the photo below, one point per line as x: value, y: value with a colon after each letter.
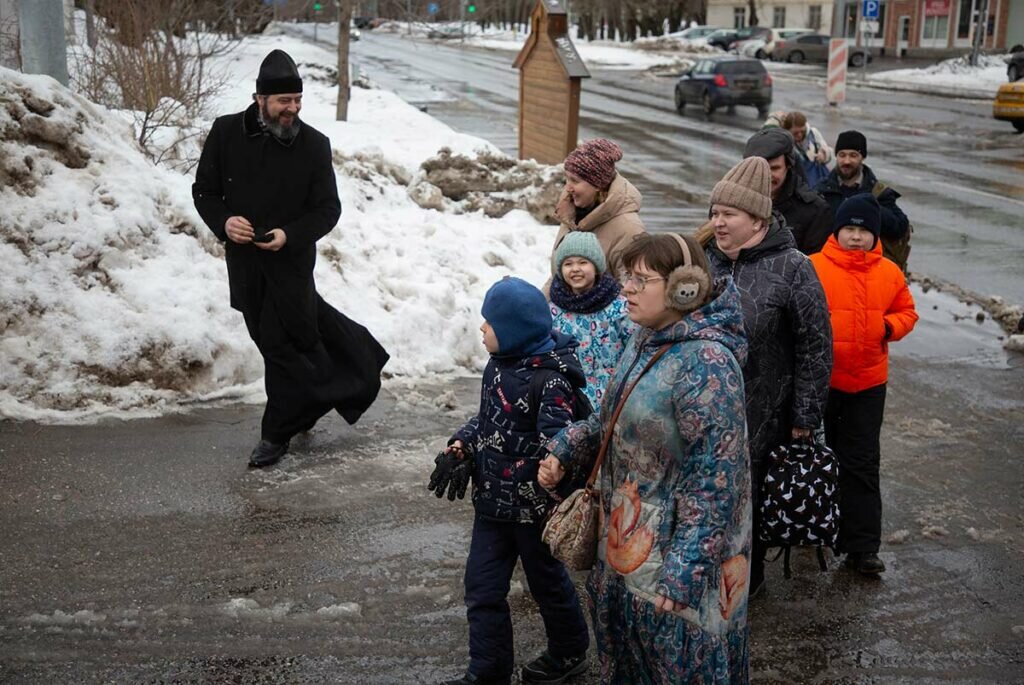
x: 938, y: 91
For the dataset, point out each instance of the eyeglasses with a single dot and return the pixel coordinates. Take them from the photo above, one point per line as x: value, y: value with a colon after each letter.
x: 639, y: 282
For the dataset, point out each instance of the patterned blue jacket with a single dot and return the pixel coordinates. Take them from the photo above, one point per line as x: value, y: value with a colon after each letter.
x: 506, y: 435
x: 675, y: 490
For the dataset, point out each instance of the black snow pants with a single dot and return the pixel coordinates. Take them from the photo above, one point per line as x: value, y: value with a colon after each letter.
x: 853, y: 424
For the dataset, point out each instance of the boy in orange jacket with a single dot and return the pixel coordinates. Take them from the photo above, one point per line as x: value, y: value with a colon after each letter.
x: 870, y: 306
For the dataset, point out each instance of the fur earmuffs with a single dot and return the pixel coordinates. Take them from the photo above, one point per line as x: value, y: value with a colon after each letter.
x: 688, y: 287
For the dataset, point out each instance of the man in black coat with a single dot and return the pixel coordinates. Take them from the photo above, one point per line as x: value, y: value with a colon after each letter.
x: 807, y: 214
x: 853, y: 177
x: 265, y: 185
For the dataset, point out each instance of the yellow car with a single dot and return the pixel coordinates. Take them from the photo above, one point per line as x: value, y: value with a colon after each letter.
x: 1009, y: 104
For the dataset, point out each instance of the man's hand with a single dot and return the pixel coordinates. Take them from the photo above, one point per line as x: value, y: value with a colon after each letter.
x: 550, y: 473
x: 239, y: 230
x: 821, y: 156
x: 732, y: 584
x: 277, y: 243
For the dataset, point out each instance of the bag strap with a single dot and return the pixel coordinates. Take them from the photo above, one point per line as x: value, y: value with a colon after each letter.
x: 606, y: 441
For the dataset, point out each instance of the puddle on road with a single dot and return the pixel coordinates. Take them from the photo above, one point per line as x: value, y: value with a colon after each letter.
x: 951, y: 331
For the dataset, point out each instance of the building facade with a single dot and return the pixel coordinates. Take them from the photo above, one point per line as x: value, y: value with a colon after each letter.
x: 912, y: 28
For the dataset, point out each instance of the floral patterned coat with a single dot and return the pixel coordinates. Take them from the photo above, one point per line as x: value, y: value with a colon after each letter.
x: 602, y: 337
x: 675, y: 494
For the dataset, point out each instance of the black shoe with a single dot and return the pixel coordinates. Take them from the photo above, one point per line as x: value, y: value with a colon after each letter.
x: 267, y: 453
x: 866, y: 563
x: 470, y: 679
x: 550, y: 670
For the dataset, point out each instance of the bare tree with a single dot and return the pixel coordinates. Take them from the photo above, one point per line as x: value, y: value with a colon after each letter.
x: 146, y: 62
x: 344, y: 33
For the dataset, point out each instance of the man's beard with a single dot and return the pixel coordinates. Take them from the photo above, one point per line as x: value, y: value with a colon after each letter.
x: 277, y: 129
x: 848, y: 175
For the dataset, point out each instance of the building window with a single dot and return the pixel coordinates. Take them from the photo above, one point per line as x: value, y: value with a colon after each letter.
x: 814, y: 17
x: 850, y: 26
x: 739, y: 17
x: 779, y: 17
x: 963, y: 27
x: 936, y: 29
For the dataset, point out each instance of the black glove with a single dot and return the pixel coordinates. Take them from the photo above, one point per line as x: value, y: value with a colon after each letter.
x: 453, y: 471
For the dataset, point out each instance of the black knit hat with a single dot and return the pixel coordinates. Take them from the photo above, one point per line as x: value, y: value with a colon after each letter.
x: 852, y: 140
x: 769, y: 143
x: 278, y: 74
x: 860, y: 210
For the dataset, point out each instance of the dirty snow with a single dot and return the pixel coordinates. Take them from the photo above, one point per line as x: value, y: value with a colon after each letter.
x: 114, y: 293
x: 952, y: 75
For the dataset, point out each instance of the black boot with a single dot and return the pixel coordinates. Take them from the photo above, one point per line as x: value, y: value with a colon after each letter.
x: 550, y: 670
x: 470, y: 679
x: 866, y: 563
x: 267, y: 453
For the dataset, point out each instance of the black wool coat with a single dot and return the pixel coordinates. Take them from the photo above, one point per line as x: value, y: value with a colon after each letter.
x: 245, y: 171
x: 789, y: 333
x: 806, y: 212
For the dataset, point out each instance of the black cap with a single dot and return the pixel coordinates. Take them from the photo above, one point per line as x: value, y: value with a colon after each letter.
x: 860, y: 210
x: 852, y: 140
x: 278, y: 74
x: 769, y: 143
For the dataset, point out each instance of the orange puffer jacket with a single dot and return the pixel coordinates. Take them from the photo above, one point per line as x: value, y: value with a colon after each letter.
x: 866, y: 294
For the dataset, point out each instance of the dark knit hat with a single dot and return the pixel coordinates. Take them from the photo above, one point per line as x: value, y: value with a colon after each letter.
x: 278, y: 74
x: 580, y: 244
x: 860, y: 210
x: 852, y: 140
x: 519, y: 315
x: 769, y: 143
x: 594, y: 162
x: 747, y: 186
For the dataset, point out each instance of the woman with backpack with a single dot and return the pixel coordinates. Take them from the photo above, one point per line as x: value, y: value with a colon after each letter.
x: 785, y: 316
x: 668, y: 591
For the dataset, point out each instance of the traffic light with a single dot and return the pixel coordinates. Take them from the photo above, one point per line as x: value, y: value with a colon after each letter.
x: 471, y: 9
x: 317, y: 7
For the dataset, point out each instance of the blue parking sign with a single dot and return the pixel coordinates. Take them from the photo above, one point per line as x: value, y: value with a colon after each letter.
x: 433, y: 8
x: 871, y: 9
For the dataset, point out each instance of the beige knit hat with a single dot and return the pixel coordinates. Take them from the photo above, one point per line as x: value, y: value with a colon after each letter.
x: 747, y: 186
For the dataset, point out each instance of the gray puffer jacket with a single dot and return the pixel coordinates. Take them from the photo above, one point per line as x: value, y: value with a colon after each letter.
x: 785, y: 315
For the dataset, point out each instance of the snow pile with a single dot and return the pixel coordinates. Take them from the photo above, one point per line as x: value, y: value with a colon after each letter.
x: 954, y: 76
x: 114, y: 296
x: 671, y: 42
x: 492, y: 183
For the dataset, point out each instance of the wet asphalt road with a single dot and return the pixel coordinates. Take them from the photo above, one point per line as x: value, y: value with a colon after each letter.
x: 961, y: 173
x: 145, y: 552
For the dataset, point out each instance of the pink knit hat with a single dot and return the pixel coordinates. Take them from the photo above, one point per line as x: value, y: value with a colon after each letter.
x: 594, y: 162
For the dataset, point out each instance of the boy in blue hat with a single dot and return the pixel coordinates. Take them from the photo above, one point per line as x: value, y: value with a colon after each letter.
x: 501, y: 447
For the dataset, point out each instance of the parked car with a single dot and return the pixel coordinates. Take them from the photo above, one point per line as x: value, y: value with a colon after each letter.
x: 749, y: 33
x: 443, y: 32
x: 722, y: 38
x: 1009, y: 104
x: 694, y: 32
x: 779, y: 35
x: 813, y: 47
x: 725, y: 81
x: 1015, y: 66
x: 363, y: 22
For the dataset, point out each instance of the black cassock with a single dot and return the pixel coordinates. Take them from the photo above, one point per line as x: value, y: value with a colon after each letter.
x: 316, y: 358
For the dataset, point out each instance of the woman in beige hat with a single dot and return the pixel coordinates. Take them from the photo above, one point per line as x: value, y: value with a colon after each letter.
x: 785, y: 316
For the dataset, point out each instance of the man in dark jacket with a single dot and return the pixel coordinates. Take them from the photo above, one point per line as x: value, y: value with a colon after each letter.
x: 265, y: 185
x: 807, y: 214
x: 852, y: 177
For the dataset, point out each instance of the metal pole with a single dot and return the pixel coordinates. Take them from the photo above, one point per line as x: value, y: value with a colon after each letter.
x: 43, y: 43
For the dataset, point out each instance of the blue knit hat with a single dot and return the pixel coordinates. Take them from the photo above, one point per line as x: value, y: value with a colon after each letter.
x: 580, y: 244
x: 859, y: 210
x: 519, y: 315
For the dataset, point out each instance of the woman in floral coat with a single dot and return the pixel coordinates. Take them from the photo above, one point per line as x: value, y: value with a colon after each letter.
x: 668, y: 593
